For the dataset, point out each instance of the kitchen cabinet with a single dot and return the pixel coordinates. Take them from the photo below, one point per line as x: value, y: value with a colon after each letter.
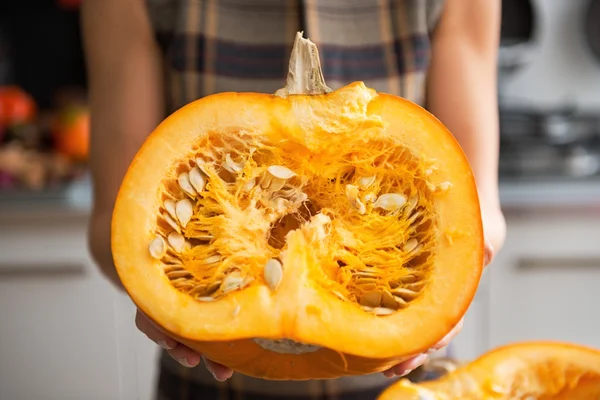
x: 65, y: 333
x: 543, y: 285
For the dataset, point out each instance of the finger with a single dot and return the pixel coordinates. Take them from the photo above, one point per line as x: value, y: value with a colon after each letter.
x: 488, y: 254
x: 185, y: 356
x: 448, y: 338
x: 181, y: 353
x: 153, y: 333
x: 220, y: 372
x: 406, y: 367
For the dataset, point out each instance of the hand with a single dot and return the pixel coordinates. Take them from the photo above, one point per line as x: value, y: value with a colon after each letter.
x: 181, y: 353
x: 494, y: 227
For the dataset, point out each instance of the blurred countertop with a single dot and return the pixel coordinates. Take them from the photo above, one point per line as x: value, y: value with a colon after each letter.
x: 556, y: 194
x: 71, y: 201
x: 75, y: 200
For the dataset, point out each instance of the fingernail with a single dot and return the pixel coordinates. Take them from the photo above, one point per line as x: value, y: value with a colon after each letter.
x: 405, y: 372
x: 388, y: 373
x: 489, y: 252
x: 217, y: 378
x: 183, y: 361
x: 165, y: 345
x: 430, y: 351
x: 418, y: 361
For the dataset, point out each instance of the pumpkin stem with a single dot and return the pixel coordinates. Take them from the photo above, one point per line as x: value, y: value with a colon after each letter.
x: 305, y: 76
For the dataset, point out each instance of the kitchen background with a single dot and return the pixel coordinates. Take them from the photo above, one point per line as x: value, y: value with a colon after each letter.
x: 65, y: 333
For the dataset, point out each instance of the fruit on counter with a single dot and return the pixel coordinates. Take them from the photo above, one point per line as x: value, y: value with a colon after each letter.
x: 71, y: 132
x: 31, y: 169
x: 304, y: 234
x: 16, y: 106
x: 519, y: 371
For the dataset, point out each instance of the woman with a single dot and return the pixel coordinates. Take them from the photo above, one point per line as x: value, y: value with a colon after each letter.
x: 146, y: 58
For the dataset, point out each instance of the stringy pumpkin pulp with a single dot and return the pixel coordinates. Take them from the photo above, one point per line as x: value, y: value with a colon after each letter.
x: 299, y: 236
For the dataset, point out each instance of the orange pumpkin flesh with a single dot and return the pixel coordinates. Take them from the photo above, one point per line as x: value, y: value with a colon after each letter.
x: 529, y: 370
x: 288, y: 276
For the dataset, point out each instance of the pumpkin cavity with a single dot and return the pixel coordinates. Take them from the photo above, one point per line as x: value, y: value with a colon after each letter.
x: 227, y: 209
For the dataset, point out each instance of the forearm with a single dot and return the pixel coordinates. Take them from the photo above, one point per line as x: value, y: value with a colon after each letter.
x: 125, y: 94
x: 462, y: 87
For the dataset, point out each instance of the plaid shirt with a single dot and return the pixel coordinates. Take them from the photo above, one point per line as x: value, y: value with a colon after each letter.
x: 213, y: 46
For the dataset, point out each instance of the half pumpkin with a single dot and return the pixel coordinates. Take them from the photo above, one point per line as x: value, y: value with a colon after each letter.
x: 307, y: 234
x: 519, y: 371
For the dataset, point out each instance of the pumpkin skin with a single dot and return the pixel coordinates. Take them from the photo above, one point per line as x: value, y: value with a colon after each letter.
x: 305, y: 307
x: 519, y: 371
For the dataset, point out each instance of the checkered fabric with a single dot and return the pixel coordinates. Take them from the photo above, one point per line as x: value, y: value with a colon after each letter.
x: 213, y: 46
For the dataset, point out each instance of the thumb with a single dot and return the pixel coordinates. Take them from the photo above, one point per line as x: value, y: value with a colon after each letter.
x: 488, y: 253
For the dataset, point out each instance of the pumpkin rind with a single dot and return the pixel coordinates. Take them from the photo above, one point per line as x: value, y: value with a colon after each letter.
x: 519, y: 371
x: 321, y: 138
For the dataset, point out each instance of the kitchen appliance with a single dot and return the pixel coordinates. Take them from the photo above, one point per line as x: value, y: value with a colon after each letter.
x: 549, y: 90
x: 592, y: 27
x: 557, y: 144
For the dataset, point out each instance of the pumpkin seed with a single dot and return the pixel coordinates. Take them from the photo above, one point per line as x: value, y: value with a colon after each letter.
x: 416, y: 249
x: 198, y: 289
x: 212, y: 259
x: 338, y: 294
x: 202, y: 165
x: 371, y: 299
x: 172, y: 268
x: 184, y: 211
x: 366, y: 181
x: 388, y: 301
x: 213, y: 287
x: 278, y: 177
x: 406, y: 294
x: 411, y: 204
x: 265, y: 180
x: 299, y: 198
x: 232, y: 282
x: 370, y: 197
x: 205, y: 298
x: 177, y: 241
x: 232, y: 166
x: 157, y: 247
x: 246, y: 282
x: 273, y: 273
x: 203, y: 236
x: 384, y: 311
x: 185, y: 184
x: 170, y: 207
x: 281, y: 172
x: 390, y: 201
x: 366, y: 274
x: 172, y: 223
x: 249, y: 185
x: 408, y: 279
x: 401, y: 302
x: 178, y: 274
x: 352, y: 195
x: 410, y: 245
x: 197, y: 179
x: 276, y: 184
